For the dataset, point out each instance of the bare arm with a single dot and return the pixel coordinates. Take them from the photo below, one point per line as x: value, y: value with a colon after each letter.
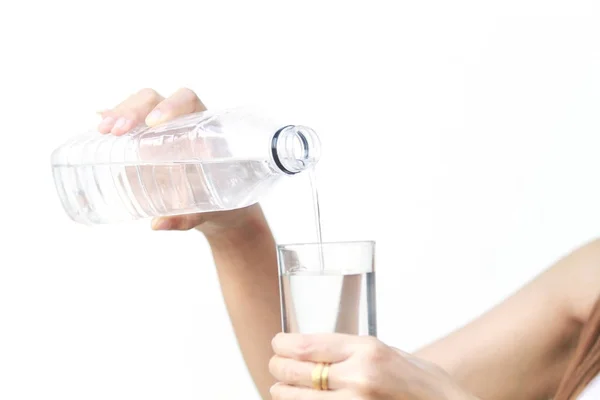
x: 247, y: 268
x: 517, y: 350
x: 520, y: 349
x: 241, y: 241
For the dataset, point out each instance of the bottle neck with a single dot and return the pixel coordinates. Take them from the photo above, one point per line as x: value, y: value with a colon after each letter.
x: 295, y: 148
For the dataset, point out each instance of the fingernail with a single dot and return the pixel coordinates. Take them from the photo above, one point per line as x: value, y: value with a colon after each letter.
x: 153, y: 117
x: 106, y: 124
x: 121, y: 126
x: 120, y: 123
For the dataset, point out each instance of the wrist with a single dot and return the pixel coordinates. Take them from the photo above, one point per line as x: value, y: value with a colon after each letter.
x: 249, y: 227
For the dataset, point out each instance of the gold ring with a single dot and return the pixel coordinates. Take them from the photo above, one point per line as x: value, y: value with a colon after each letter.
x: 316, y: 376
x: 325, y: 377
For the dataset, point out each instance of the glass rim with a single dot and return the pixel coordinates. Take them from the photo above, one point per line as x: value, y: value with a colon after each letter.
x: 282, y: 246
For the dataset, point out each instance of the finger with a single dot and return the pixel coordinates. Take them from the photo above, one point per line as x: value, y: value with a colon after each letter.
x: 183, y: 101
x: 281, y: 391
x: 331, y: 348
x: 129, y: 113
x: 177, y: 223
x: 300, y: 373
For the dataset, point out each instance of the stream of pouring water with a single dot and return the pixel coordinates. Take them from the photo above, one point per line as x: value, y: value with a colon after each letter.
x: 312, y: 176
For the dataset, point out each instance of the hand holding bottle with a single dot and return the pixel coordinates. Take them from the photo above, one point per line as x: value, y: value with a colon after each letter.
x: 171, y: 158
x: 148, y: 107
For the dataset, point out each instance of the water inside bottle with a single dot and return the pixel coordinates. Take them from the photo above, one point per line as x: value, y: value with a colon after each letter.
x: 106, y: 193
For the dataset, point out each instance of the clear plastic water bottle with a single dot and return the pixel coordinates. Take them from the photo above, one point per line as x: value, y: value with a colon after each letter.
x: 208, y: 161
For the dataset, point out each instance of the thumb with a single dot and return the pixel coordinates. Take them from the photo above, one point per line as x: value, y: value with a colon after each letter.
x: 176, y: 223
x: 161, y: 224
x: 326, y: 347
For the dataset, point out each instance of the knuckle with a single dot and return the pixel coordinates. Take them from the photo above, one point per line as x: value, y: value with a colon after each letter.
x: 187, y: 92
x: 149, y: 94
x: 283, y: 370
x: 374, y: 351
x: 126, y: 111
x: 305, y: 349
x: 289, y: 374
x: 132, y: 114
x: 365, y: 377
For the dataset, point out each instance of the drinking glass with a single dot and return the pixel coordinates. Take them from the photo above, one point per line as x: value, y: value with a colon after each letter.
x: 328, y: 287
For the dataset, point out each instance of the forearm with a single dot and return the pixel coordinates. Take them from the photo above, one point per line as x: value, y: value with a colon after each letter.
x: 247, y: 269
x: 520, y: 349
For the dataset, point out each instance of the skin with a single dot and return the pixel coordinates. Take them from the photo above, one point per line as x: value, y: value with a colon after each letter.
x: 361, y: 367
x: 517, y: 350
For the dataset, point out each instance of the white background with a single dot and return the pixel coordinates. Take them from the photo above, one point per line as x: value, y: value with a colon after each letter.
x: 462, y: 136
